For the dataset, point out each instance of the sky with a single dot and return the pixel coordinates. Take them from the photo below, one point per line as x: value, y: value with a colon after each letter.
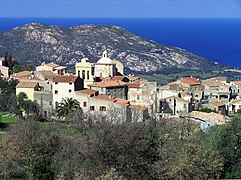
x: 121, y: 8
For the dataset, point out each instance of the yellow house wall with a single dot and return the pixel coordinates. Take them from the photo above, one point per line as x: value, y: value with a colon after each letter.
x: 28, y: 91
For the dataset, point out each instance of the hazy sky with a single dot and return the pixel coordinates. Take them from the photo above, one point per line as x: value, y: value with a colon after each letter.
x: 120, y: 8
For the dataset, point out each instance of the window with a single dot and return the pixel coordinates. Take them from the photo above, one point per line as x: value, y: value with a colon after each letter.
x: 88, y: 75
x: 92, y: 108
x: 138, y: 97
x: 70, y: 90
x: 45, y: 113
x: 70, y: 83
x: 83, y: 74
x: 92, y: 71
x: 85, y: 104
x: 50, y: 103
x: 56, y: 104
x: 78, y: 73
x: 102, y: 108
x: 56, y: 82
x: 184, y: 105
x: 56, y: 92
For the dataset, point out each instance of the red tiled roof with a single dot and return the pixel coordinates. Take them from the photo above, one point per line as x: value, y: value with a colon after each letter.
x: 122, y: 102
x: 53, y: 65
x: 173, y: 83
x: 214, y: 83
x: 190, y: 81
x: 216, y: 103
x: 236, y: 101
x: 67, y: 79
x: 134, y: 85
x: 120, y: 78
x: 26, y: 84
x: 237, y: 82
x: 48, y: 74
x: 21, y: 74
x: 108, y: 84
x: 133, y: 78
x: 87, y: 91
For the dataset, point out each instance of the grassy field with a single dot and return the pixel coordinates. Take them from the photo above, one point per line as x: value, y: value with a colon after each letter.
x: 6, y: 118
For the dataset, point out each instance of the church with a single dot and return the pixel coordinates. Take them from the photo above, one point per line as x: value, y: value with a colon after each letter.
x: 103, y: 68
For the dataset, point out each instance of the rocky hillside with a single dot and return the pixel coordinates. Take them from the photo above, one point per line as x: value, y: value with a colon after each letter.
x: 35, y: 43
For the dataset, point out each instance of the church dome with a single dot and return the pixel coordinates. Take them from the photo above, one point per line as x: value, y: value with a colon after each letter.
x: 105, y: 59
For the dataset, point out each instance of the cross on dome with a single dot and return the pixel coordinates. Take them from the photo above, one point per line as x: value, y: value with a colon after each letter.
x: 105, y: 54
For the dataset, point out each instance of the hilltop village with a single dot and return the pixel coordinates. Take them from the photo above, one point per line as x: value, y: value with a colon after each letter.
x: 103, y: 87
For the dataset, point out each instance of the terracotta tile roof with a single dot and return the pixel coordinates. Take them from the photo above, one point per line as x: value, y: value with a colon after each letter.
x: 216, y: 103
x: 190, y: 81
x: 21, y: 74
x: 133, y: 78
x: 236, y: 101
x: 214, y: 83
x: 237, y: 82
x: 137, y: 107
x: 48, y: 74
x: 108, y: 84
x: 173, y: 83
x: 117, y: 78
x: 87, y: 91
x: 217, y: 118
x: 134, y: 85
x: 122, y: 102
x: 183, y: 92
x: 35, y: 79
x: 26, y: 84
x: 53, y: 65
x: 67, y: 79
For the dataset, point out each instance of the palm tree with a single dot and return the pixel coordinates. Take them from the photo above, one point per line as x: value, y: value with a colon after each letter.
x: 67, y: 106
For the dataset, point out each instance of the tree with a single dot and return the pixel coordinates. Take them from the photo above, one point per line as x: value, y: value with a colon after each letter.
x: 68, y: 106
x: 226, y: 140
x: 29, y: 151
x: 27, y: 106
x: 195, y: 161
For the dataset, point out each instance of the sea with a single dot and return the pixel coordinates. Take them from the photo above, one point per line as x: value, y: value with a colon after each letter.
x: 218, y: 40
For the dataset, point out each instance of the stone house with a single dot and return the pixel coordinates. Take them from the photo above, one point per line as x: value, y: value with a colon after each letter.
x: 144, y: 93
x: 217, y: 106
x: 55, y: 68
x: 216, y: 91
x: 111, y: 88
x: 177, y: 105
x: 234, y: 106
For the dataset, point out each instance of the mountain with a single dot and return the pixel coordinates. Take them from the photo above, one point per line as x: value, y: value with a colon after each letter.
x: 36, y: 43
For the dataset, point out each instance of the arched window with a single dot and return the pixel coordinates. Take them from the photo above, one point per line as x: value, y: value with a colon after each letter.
x: 88, y: 75
x: 83, y: 74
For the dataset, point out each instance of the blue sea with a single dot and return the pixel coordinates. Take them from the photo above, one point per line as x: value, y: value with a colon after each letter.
x: 216, y: 39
